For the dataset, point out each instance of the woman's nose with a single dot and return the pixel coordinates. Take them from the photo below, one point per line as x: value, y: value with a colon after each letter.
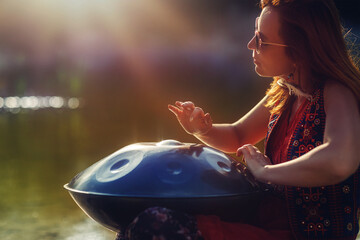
x: 251, y: 43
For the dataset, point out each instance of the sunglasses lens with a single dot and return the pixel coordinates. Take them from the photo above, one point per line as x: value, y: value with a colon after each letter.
x: 256, y: 43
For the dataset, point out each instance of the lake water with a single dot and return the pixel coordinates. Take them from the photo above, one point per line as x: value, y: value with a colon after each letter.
x: 40, y: 152
x: 43, y: 150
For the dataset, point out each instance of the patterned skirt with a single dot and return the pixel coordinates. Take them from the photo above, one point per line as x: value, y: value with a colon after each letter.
x: 159, y: 223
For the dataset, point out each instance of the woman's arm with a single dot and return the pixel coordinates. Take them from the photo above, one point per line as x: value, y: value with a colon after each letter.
x: 226, y: 137
x: 329, y: 163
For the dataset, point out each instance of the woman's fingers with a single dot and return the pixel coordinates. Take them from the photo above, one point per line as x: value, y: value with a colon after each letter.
x: 255, y: 160
x: 174, y: 110
x: 187, y: 106
x: 196, y: 114
x: 243, y: 151
x: 208, y: 120
x: 192, y: 118
x: 251, y: 152
x: 249, y: 149
x: 181, y: 107
x: 252, y: 149
x: 179, y: 104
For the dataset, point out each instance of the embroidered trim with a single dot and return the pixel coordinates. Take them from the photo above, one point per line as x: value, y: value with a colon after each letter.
x: 293, y: 90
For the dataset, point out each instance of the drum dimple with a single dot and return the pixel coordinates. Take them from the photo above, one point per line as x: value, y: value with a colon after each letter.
x: 174, y: 168
x: 117, y: 167
x: 169, y: 142
x: 224, y: 166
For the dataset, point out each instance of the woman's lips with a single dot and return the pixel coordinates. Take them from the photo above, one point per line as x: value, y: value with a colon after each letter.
x: 256, y: 61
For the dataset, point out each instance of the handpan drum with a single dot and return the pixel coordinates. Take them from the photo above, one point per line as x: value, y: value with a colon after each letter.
x: 191, y: 178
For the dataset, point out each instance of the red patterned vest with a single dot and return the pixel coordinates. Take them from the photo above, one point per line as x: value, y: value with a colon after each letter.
x: 329, y: 212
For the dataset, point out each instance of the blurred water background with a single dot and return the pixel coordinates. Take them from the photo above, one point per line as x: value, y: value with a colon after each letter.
x: 81, y: 79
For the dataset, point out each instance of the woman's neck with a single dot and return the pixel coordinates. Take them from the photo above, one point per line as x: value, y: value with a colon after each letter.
x: 301, y: 79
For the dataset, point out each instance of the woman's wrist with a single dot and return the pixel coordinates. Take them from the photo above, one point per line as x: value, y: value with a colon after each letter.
x: 264, y: 174
x: 261, y: 173
x: 202, y: 133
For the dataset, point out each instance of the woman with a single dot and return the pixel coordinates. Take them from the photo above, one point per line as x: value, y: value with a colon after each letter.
x: 310, y: 121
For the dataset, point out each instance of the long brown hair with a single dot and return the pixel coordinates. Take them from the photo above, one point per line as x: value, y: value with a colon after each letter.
x: 313, y: 31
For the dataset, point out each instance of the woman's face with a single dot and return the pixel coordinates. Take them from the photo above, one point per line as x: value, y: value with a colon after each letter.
x: 270, y: 60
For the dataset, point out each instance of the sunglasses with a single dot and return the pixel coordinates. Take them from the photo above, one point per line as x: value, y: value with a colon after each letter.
x: 259, y: 42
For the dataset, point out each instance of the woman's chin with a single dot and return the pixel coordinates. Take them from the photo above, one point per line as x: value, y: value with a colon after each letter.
x: 263, y: 73
x: 259, y: 71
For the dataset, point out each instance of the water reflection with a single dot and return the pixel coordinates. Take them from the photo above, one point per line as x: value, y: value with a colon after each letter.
x: 87, y: 230
x: 35, y: 102
x: 39, y: 153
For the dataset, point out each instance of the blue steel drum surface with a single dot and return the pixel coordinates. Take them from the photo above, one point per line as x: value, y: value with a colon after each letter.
x: 185, y: 177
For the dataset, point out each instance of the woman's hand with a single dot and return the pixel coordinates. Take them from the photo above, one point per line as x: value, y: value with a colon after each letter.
x: 256, y: 161
x: 191, y: 118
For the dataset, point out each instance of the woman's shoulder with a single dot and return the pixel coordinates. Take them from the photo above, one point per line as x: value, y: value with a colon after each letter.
x: 335, y: 87
x: 339, y: 97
